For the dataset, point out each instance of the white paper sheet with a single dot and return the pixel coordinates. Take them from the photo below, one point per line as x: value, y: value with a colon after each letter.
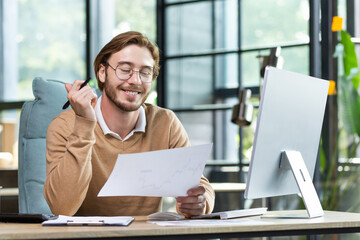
x: 199, y: 223
x: 164, y: 173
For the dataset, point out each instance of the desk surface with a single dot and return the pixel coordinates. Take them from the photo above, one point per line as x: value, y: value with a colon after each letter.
x: 332, y: 222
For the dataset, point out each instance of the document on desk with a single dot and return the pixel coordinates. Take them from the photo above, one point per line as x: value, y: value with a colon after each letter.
x: 163, y: 173
x: 89, y: 221
x: 200, y: 223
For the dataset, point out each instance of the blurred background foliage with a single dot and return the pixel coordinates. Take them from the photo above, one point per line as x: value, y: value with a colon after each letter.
x: 341, y: 180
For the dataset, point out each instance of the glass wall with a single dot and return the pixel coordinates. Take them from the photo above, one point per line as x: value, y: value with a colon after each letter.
x: 357, y: 27
x: 214, y: 48
x: 49, y: 39
x: 274, y: 22
x: 348, y: 165
x: 41, y: 39
x: 206, y: 47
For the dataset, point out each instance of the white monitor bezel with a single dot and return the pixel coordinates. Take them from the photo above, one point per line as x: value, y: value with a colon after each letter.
x: 290, y: 117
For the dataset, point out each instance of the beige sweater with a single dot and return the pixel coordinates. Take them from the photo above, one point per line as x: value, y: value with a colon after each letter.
x: 80, y: 158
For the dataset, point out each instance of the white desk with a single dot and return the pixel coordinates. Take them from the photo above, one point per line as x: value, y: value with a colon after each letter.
x: 332, y: 222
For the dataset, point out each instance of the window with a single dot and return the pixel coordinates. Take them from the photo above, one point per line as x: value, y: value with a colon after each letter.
x: 38, y: 44
x: 357, y: 27
x: 348, y: 131
x: 45, y: 39
x: 211, y: 50
x: 51, y: 39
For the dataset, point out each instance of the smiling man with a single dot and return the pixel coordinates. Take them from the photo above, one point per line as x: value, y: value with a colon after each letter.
x: 83, y: 143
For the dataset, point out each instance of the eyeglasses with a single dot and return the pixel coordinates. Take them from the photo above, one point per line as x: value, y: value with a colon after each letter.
x: 124, y: 72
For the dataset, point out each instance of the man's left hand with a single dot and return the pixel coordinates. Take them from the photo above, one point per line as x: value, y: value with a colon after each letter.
x: 194, y: 203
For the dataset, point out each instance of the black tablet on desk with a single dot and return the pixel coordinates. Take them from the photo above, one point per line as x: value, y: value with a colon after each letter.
x: 25, y: 217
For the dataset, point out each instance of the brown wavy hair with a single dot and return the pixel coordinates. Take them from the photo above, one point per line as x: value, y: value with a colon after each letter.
x: 121, y: 41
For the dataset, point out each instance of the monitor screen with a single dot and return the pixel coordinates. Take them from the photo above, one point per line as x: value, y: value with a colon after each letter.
x: 290, y: 118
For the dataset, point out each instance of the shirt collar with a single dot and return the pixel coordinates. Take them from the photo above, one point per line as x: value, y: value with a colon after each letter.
x: 139, y: 127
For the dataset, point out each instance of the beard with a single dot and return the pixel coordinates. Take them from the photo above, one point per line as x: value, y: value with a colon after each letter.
x: 110, y: 92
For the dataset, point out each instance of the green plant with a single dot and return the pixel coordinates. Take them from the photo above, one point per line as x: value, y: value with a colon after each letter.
x: 340, y: 180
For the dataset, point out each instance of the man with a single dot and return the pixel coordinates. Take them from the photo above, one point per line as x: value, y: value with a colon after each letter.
x: 83, y: 143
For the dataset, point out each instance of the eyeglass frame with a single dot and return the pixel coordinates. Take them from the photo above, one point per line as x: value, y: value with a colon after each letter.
x: 131, y: 73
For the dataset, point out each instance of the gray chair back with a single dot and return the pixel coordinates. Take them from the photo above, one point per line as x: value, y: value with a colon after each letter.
x: 36, y: 115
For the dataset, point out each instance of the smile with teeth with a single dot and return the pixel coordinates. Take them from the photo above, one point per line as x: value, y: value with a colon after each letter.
x: 131, y: 93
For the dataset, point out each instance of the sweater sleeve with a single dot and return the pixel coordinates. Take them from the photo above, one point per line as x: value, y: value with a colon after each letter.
x: 179, y: 138
x: 209, y: 195
x: 68, y: 163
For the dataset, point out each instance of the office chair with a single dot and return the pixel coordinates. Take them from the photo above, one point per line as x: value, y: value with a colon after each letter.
x: 36, y: 115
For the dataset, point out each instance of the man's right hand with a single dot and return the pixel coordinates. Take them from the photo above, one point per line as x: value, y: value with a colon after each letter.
x: 81, y: 100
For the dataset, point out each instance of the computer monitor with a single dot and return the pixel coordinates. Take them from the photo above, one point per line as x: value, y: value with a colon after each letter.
x: 287, y: 138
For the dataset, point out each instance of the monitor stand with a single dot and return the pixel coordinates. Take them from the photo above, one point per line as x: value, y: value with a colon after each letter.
x: 305, y: 184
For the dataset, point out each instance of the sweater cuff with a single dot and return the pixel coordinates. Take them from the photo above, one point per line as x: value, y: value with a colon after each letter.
x: 210, y: 200
x: 84, y: 127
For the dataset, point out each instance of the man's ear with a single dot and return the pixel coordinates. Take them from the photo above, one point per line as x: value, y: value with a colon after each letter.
x: 102, y: 73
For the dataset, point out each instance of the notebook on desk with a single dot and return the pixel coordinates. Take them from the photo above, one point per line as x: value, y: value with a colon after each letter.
x: 62, y: 220
x: 171, y: 216
x: 233, y: 214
